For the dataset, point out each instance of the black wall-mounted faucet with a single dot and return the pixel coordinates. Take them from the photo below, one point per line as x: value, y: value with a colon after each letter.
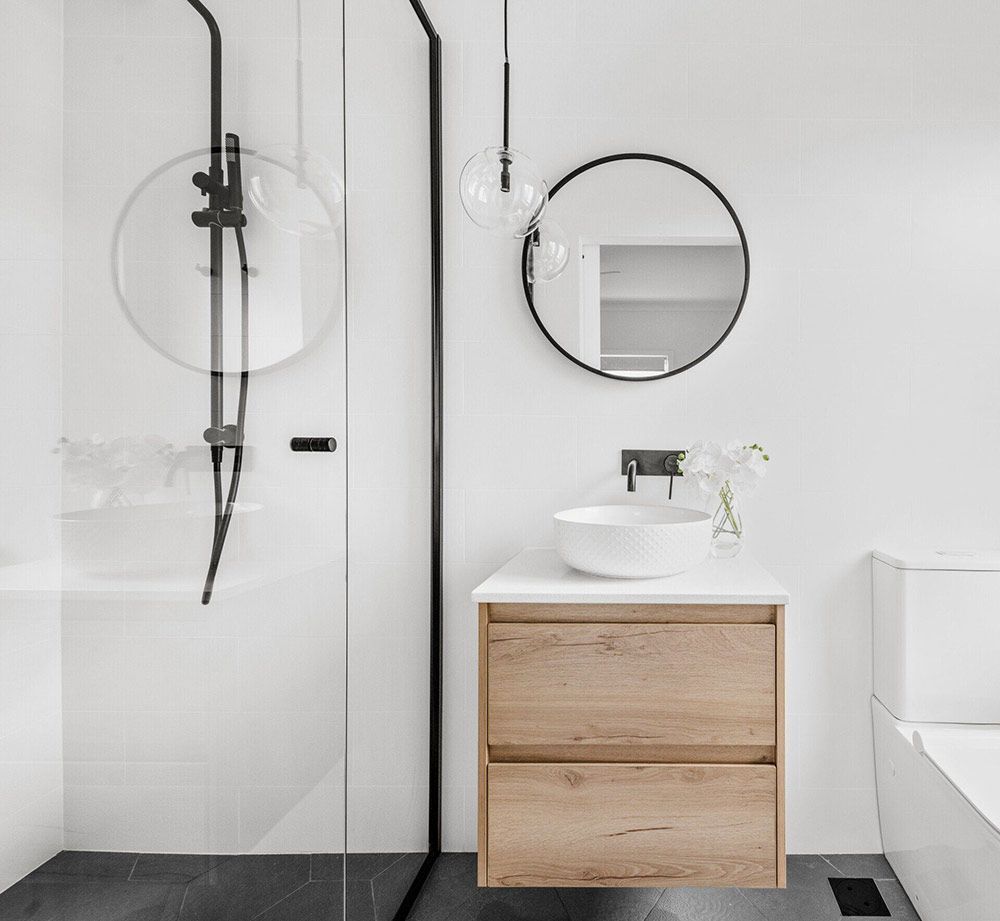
x: 636, y: 463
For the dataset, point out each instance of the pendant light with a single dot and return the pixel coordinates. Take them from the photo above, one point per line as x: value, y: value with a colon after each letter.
x: 291, y: 185
x: 502, y: 190
x: 548, y: 254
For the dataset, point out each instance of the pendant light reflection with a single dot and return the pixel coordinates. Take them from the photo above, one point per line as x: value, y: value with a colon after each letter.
x: 297, y: 190
x: 511, y: 212
x: 548, y: 253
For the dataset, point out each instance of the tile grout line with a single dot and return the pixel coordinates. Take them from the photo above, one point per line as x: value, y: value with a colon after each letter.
x: 752, y: 905
x: 832, y: 864
x: 287, y: 895
x: 383, y: 870
x: 652, y: 907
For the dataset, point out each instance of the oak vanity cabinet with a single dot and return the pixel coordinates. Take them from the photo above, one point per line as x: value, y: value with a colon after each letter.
x: 629, y: 736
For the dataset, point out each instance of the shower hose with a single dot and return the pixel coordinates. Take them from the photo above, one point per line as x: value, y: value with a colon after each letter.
x: 224, y: 511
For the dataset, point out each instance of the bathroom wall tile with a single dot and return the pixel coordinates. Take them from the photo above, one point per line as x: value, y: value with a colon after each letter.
x: 888, y: 23
x: 955, y: 85
x: 770, y: 77
x: 845, y: 156
x: 290, y: 673
x: 288, y: 820
x: 485, y: 450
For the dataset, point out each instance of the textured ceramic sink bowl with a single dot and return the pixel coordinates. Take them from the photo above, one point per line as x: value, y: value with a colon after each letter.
x: 633, y: 541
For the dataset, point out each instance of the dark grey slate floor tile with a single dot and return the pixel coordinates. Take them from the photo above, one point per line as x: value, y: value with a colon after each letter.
x: 360, y: 902
x: 322, y: 901
x: 871, y: 866
x: 326, y: 867
x: 243, y: 887
x: 696, y: 904
x: 452, y: 881
x: 509, y: 905
x: 808, y: 896
x: 390, y: 886
x: 91, y: 900
x: 599, y: 904
x: 368, y: 866
x: 175, y: 868
x: 451, y: 894
x: 897, y: 901
x: 90, y: 864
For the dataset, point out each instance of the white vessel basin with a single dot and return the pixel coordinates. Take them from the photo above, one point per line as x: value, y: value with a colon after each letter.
x: 633, y: 541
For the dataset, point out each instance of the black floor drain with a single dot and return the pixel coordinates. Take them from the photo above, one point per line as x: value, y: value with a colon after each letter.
x: 858, y: 898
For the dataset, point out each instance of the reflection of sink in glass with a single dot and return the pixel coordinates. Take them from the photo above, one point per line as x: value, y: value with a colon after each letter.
x: 158, y: 535
x: 153, y: 511
x: 633, y: 541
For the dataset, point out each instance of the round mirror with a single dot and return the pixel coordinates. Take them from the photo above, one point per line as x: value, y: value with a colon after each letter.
x: 657, y: 273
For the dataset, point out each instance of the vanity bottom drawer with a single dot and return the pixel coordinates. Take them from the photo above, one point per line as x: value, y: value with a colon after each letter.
x: 631, y: 825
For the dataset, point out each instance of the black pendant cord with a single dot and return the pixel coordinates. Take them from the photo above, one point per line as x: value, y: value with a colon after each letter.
x: 506, y: 81
x: 300, y: 145
x: 505, y: 158
x: 224, y: 518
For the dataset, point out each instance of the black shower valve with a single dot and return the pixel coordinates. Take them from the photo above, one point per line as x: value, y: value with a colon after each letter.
x: 208, y: 185
x: 218, y: 217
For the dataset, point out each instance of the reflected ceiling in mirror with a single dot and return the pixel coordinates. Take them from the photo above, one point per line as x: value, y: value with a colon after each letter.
x: 658, y: 268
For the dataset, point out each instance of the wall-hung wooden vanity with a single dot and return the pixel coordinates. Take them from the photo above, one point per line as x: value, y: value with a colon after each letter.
x: 631, y: 732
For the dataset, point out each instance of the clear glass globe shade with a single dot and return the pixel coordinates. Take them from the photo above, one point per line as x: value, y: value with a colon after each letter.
x: 514, y: 213
x: 296, y: 189
x: 548, y: 252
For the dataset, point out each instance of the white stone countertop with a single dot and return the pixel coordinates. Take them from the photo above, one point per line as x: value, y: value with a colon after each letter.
x: 539, y: 575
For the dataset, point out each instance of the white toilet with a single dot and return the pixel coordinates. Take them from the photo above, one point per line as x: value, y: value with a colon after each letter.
x: 936, y: 718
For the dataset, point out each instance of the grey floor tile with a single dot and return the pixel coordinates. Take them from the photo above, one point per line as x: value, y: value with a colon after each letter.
x: 174, y: 868
x: 808, y: 896
x: 452, y: 881
x: 360, y: 901
x: 509, y: 905
x: 313, y: 900
x: 91, y: 864
x: 871, y: 866
x: 696, y: 904
x: 599, y: 904
x: 389, y: 887
x: 326, y: 867
x: 451, y: 894
x: 897, y: 901
x: 244, y: 887
x: 91, y: 900
x: 368, y: 866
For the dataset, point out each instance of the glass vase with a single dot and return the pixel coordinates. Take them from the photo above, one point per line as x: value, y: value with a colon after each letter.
x: 727, y: 525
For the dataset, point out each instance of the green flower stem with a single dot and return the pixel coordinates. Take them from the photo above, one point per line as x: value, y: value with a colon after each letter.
x: 727, y: 496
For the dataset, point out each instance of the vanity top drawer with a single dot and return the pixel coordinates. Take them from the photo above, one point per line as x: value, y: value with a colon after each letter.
x: 631, y: 825
x: 614, y: 685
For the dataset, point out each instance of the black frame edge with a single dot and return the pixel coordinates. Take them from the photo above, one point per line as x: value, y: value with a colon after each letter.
x: 437, y: 482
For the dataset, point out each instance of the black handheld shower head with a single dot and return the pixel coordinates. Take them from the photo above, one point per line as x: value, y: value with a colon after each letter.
x: 235, y: 170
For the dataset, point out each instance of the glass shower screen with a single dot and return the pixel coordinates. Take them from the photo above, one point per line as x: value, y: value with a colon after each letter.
x: 219, y: 589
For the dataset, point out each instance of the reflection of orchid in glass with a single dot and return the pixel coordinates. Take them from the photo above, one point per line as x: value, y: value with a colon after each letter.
x: 118, y: 471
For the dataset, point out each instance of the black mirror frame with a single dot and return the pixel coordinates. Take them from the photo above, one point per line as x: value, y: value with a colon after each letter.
x: 600, y: 161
